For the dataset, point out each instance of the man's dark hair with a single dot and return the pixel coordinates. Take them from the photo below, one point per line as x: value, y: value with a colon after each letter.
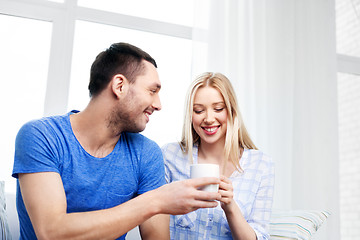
x: 119, y: 58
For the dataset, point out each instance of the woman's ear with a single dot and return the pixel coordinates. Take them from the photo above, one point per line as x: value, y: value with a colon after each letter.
x: 118, y: 85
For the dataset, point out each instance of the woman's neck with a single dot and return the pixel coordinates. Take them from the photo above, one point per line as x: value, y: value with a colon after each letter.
x: 211, y: 153
x: 215, y: 154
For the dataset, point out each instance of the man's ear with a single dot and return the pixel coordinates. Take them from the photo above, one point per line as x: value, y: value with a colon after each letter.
x: 118, y: 85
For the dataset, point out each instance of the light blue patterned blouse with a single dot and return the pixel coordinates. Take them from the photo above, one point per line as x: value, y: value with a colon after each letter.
x: 253, y: 192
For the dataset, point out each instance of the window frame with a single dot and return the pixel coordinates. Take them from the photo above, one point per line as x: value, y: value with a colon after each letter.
x: 348, y: 64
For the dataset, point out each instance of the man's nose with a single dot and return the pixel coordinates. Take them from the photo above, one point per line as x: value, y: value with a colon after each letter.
x: 157, y: 103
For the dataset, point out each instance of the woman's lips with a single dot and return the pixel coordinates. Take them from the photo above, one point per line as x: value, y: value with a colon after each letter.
x: 211, y: 130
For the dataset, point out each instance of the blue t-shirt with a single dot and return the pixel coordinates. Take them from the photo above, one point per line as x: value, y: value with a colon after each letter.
x: 135, y: 166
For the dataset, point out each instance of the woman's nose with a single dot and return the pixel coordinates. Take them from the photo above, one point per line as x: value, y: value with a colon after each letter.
x: 209, y: 118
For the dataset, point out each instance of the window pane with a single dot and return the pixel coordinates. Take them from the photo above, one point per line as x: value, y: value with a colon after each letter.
x: 349, y: 139
x: 173, y: 56
x: 178, y: 12
x: 24, y: 47
x: 348, y: 27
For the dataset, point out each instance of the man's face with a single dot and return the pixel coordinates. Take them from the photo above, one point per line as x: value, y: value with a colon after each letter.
x: 141, y: 100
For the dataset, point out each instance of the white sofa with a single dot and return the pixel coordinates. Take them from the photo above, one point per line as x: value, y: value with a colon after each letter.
x: 289, y: 224
x: 12, y: 215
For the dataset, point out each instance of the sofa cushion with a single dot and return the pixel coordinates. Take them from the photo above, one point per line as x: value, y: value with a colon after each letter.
x: 296, y: 224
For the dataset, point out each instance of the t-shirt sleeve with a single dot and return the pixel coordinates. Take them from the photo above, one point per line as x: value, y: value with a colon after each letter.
x: 152, y: 174
x: 34, y: 150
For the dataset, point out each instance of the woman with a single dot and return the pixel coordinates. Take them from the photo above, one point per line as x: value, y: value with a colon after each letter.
x: 214, y: 132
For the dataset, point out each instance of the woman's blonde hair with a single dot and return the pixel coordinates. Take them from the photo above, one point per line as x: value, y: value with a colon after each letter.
x: 237, y: 137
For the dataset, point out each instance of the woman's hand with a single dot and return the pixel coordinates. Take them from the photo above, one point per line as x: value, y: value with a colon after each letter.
x: 240, y: 229
x: 227, y: 194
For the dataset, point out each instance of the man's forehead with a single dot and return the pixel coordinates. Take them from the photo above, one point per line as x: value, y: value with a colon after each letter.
x: 149, y: 77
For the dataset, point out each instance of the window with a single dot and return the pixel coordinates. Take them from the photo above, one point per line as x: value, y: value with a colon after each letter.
x: 48, y: 46
x: 348, y: 25
x: 348, y: 49
x: 349, y: 138
x: 24, y: 60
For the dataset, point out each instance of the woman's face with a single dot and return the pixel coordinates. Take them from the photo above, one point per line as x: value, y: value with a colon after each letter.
x: 209, y: 116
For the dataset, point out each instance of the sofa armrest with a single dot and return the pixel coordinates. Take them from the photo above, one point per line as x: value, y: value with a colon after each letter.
x: 12, y: 215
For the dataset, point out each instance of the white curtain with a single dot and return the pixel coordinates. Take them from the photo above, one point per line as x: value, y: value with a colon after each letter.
x: 280, y: 56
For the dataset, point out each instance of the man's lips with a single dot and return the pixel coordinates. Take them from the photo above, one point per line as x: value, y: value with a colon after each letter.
x: 147, y: 115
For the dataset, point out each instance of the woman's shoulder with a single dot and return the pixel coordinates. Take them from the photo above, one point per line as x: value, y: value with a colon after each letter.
x: 258, y: 154
x: 256, y: 157
x: 172, y: 147
x: 173, y: 152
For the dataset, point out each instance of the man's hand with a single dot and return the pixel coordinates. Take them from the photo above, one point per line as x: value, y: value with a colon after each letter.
x: 182, y: 197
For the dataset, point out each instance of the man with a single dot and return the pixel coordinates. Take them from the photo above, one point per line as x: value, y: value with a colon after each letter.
x: 89, y: 174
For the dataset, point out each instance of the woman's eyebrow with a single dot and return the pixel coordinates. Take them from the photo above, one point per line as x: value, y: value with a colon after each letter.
x: 213, y: 104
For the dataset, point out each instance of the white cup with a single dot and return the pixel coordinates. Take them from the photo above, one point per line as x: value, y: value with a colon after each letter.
x: 205, y: 170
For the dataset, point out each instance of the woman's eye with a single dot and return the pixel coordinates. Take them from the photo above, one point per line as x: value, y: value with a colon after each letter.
x: 198, y: 111
x: 219, y: 109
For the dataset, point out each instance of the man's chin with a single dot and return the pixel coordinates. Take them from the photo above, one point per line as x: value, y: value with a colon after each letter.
x: 136, y: 130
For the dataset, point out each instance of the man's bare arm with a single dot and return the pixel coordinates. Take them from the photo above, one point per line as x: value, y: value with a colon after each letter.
x: 45, y: 201
x: 156, y: 228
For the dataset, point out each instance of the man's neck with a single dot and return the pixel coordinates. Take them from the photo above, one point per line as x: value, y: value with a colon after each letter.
x: 92, y: 132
